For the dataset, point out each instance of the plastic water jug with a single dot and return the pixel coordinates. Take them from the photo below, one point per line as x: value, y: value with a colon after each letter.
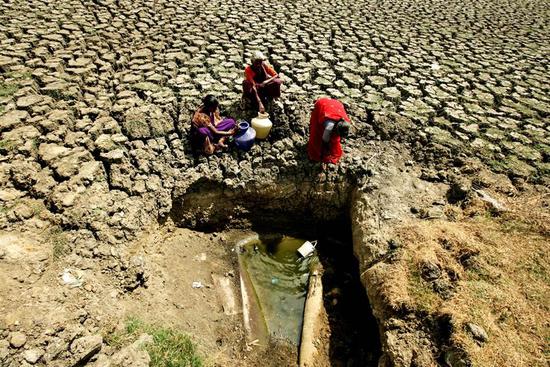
x: 244, y: 138
x: 262, y: 124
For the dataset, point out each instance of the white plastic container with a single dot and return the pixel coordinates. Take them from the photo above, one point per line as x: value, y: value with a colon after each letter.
x: 262, y: 124
x: 307, y: 248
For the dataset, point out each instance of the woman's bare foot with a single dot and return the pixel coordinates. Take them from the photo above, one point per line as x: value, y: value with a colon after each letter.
x: 221, y: 143
x: 208, y: 147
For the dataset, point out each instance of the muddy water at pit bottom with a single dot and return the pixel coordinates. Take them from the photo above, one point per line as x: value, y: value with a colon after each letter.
x: 280, y: 280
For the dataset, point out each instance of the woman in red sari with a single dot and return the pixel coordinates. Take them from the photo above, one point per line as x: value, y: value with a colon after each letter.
x: 328, y: 123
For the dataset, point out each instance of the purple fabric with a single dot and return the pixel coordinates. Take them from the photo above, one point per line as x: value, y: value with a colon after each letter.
x: 226, y: 124
x: 198, y: 135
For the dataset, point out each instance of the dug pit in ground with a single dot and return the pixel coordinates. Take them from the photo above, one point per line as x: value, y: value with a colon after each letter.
x: 152, y: 278
x: 374, y: 205
x: 160, y: 268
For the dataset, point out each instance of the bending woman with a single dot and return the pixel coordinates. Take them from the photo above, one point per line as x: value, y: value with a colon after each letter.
x: 208, y: 129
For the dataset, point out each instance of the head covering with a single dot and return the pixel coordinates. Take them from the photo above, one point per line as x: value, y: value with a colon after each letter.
x: 258, y: 55
x: 343, y: 128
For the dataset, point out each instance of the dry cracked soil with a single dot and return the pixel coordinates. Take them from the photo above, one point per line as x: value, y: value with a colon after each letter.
x: 106, y: 215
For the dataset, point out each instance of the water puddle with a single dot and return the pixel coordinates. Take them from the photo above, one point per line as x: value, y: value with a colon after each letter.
x: 279, y: 277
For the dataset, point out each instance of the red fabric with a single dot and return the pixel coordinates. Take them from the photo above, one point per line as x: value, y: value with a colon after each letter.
x: 249, y: 74
x: 325, y: 109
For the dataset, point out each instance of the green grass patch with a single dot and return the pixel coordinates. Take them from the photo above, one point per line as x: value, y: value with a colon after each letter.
x: 516, y: 226
x: 19, y: 75
x: 7, y: 90
x: 422, y: 292
x: 6, y: 145
x: 497, y: 165
x: 170, y: 347
x: 37, y: 207
x: 59, y: 242
x: 536, y: 266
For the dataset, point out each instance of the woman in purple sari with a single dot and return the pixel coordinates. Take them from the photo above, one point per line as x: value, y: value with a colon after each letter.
x: 208, y: 129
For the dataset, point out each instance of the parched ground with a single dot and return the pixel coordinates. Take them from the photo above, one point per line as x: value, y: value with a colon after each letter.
x: 96, y: 97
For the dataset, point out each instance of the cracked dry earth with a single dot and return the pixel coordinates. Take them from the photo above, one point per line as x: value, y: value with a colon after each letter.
x: 95, y: 102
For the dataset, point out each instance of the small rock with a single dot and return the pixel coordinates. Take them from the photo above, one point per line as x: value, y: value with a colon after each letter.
x: 494, y: 205
x: 54, y: 349
x: 131, y: 356
x: 4, y: 349
x: 443, y: 287
x: 12, y: 119
x: 33, y: 355
x: 430, y: 271
x: 477, y: 332
x: 457, y: 358
x: 459, y: 191
x: 27, y: 101
x: 143, y: 340
x: 394, y: 244
x: 432, y: 213
x: 17, y: 339
x: 84, y: 348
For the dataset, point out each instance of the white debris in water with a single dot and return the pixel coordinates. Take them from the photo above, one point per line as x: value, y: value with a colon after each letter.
x: 197, y: 285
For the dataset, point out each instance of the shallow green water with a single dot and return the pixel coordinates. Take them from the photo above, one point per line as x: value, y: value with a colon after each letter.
x: 280, y: 279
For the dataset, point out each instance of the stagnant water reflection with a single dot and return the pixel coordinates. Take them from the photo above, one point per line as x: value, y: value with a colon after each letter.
x: 353, y: 331
x: 280, y: 278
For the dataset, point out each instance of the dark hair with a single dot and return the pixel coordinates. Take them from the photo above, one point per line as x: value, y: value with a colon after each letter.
x: 209, y: 103
x: 343, y: 128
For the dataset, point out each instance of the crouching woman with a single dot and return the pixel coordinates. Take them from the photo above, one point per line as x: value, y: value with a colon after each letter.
x: 208, y: 129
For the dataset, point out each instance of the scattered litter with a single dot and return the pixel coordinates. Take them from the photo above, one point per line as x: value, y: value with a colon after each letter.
x: 307, y: 248
x: 201, y: 257
x: 493, y: 203
x: 435, y: 66
x: 197, y: 285
x: 253, y: 343
x: 274, y: 280
x: 72, y: 280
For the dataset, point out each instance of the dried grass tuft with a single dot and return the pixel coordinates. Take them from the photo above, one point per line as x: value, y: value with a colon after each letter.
x: 498, y: 268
